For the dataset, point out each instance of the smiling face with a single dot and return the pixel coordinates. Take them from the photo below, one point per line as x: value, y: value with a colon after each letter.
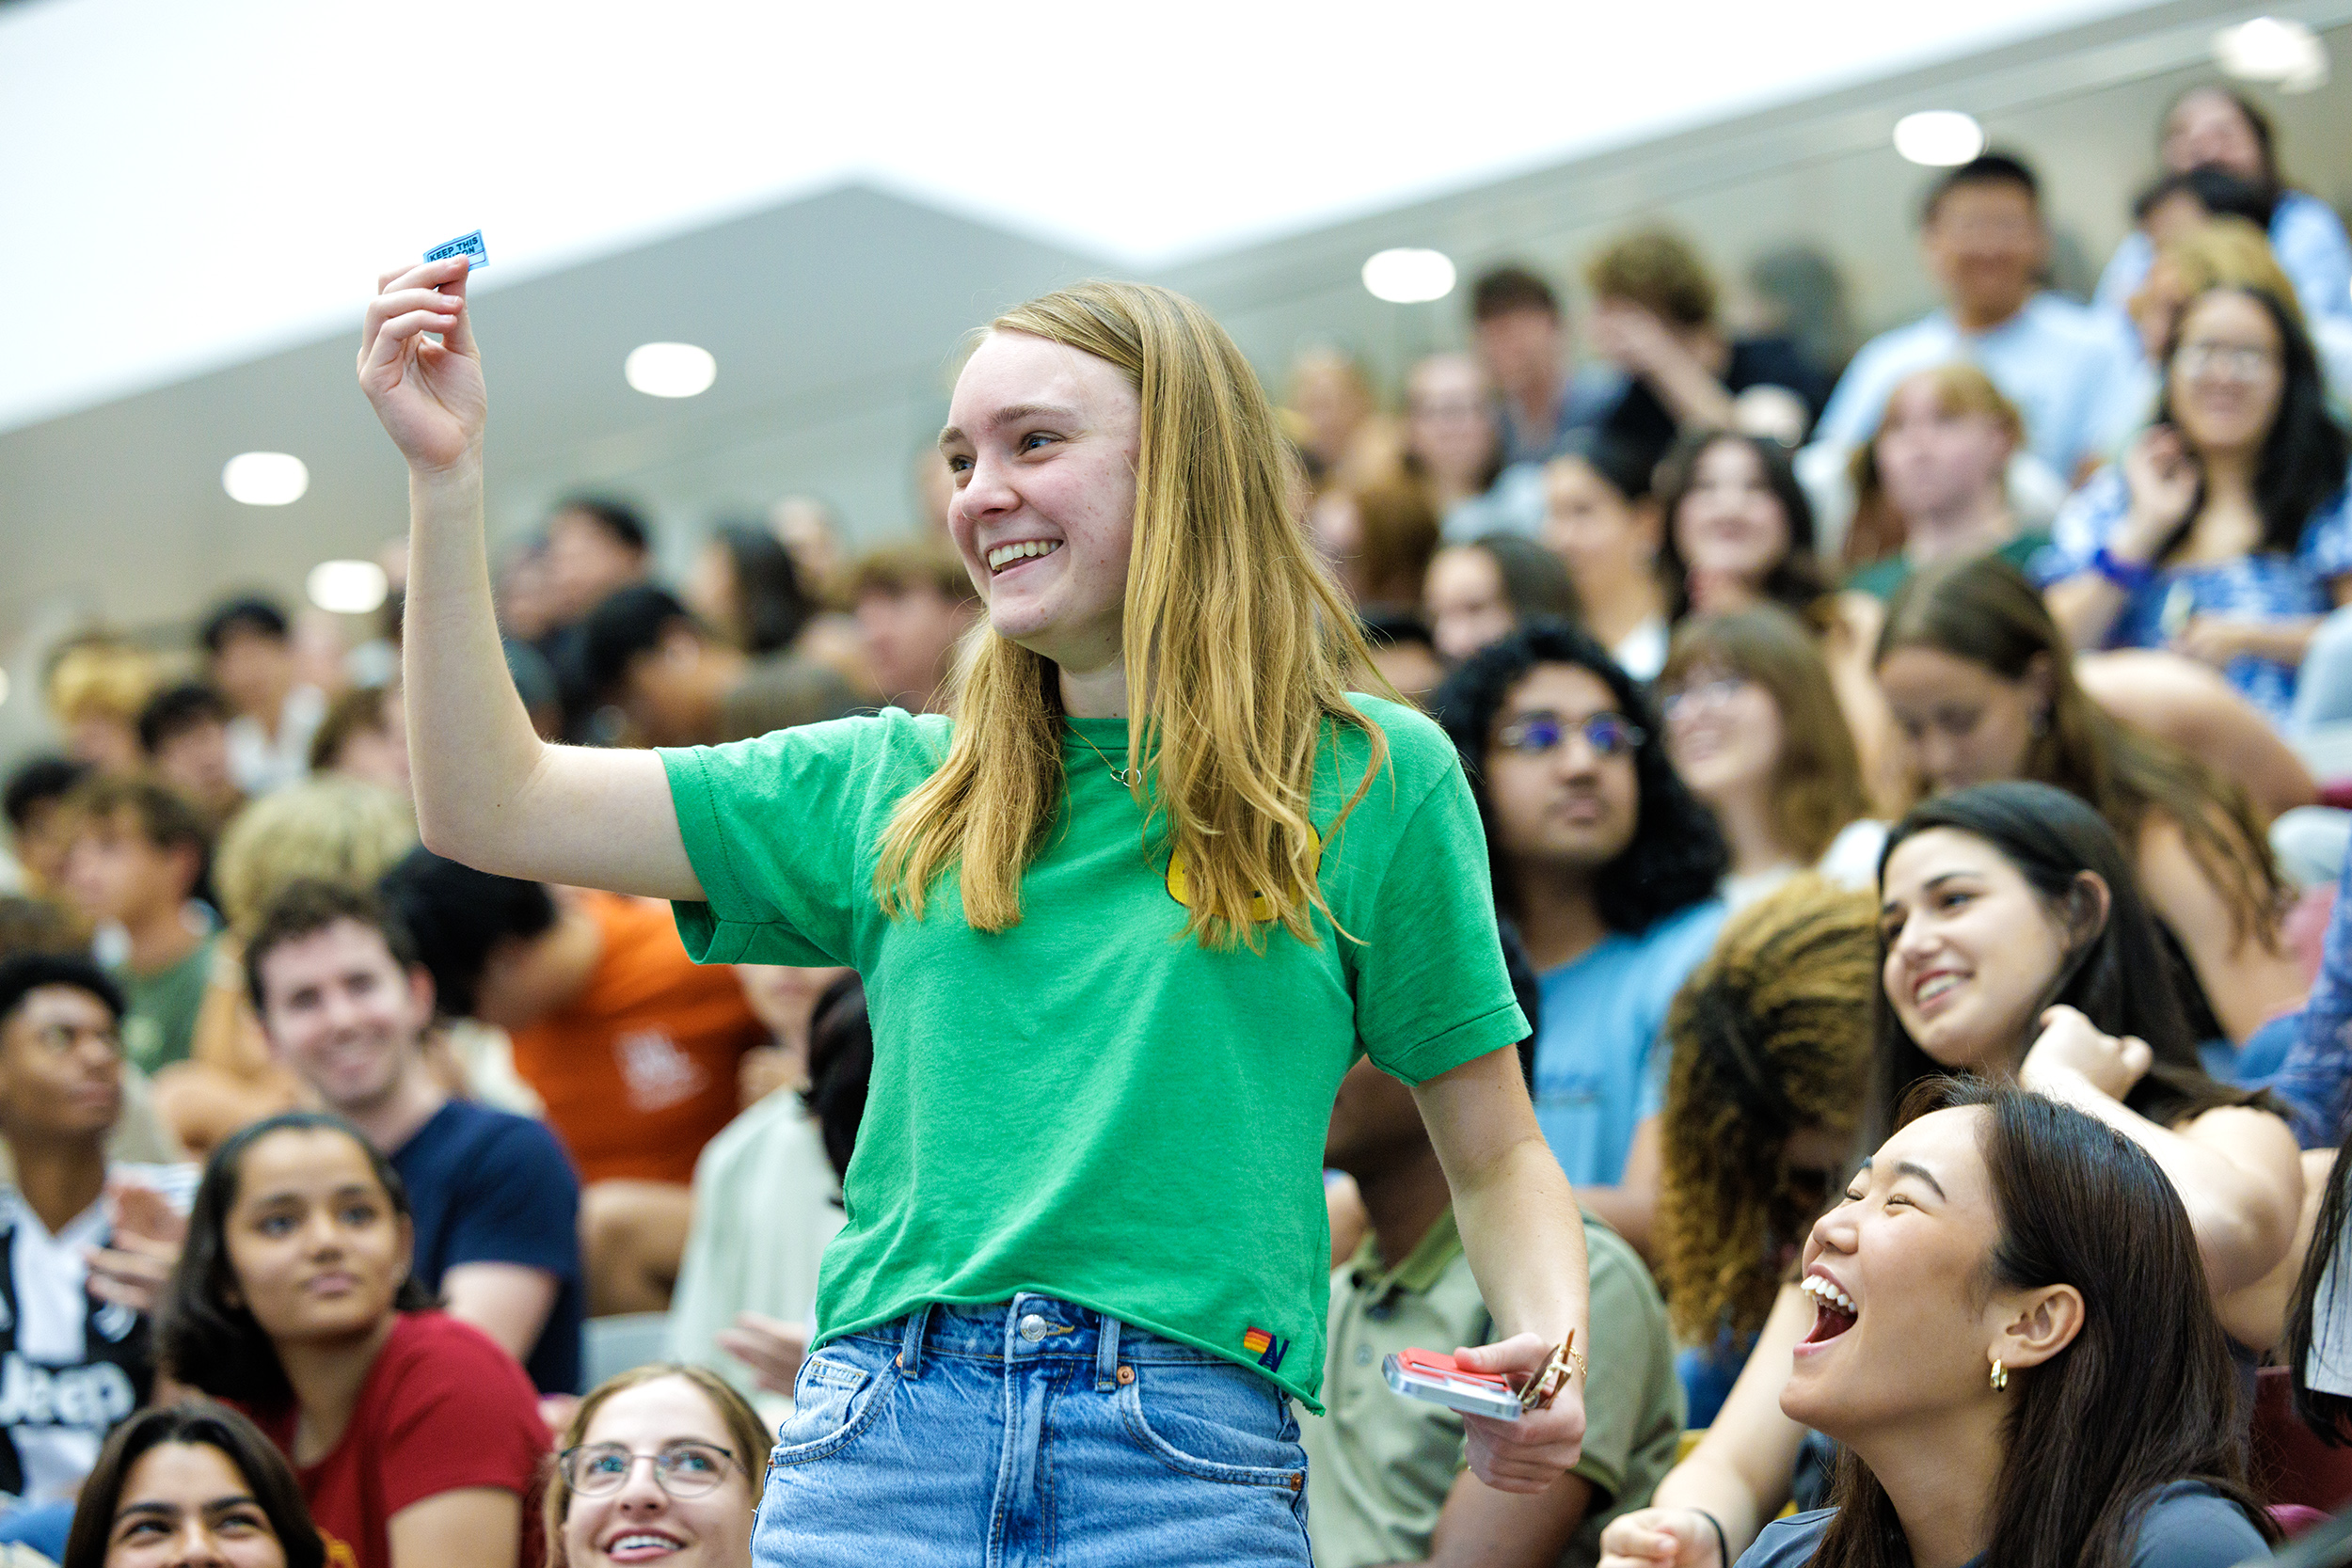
x: 316, y: 1247
x: 1724, y: 733
x: 1933, y: 459
x: 2228, y: 373
x: 1986, y: 245
x: 1971, y: 949
x: 1042, y: 441
x: 640, y: 1521
x: 1570, y: 808
x: 1898, y: 1274
x: 186, y: 1505
x: 1963, y: 723
x: 341, y: 1014
x: 1729, y: 523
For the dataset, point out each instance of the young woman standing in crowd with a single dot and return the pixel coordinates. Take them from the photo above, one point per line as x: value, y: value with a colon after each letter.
x: 1139, y: 807
x: 416, y: 1438
x: 1991, y: 1301
x: 2013, y: 943
x: 1754, y: 728
x: 1983, y: 687
x: 659, y: 1464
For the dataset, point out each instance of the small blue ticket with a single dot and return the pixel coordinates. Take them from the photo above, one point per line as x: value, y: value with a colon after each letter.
x: 469, y: 245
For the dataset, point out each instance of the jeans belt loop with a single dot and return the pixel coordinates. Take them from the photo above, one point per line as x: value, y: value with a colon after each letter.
x: 911, y: 1339
x: 1106, y: 1354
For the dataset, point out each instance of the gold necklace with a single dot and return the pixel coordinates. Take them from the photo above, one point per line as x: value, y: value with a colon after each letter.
x: 1127, y: 777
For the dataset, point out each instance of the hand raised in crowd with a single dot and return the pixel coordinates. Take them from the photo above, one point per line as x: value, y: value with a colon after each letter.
x: 1660, y: 1538
x: 772, y: 1348
x: 2070, y: 1044
x: 1631, y: 337
x: 1531, y: 1453
x: 2163, y: 478
x: 146, y: 1237
x: 430, y: 396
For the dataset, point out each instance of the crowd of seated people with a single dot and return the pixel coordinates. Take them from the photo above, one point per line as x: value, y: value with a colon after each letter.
x: 1910, y: 794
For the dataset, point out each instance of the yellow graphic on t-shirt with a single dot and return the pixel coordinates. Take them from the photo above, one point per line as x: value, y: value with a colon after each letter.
x: 339, y: 1555
x: 1261, y: 909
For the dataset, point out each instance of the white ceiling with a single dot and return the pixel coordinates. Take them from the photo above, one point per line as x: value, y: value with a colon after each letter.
x: 189, y: 186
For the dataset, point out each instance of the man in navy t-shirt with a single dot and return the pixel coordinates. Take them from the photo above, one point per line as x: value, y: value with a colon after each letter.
x: 345, y: 1004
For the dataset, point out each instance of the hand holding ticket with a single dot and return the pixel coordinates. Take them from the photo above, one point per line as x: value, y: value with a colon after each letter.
x: 469, y: 245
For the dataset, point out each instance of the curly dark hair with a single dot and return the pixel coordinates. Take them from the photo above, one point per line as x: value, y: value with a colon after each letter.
x: 1770, y: 1036
x: 1678, y: 854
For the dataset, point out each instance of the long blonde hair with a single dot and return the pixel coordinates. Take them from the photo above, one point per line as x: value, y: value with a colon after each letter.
x: 1236, y: 645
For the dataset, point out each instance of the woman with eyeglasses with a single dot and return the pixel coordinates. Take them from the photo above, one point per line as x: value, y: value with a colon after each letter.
x: 2226, y: 531
x: 414, y: 1437
x: 659, y: 1464
x: 1754, y: 727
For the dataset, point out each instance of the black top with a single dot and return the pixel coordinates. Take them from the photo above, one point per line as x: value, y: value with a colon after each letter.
x: 2189, y: 1525
x: 1644, y: 425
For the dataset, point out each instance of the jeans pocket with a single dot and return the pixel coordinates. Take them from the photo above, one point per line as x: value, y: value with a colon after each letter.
x: 1213, y: 1421
x: 832, y: 1399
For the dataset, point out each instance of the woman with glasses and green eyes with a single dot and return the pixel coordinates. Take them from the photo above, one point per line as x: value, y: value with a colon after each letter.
x: 659, y: 1465
x: 414, y: 1437
x: 2225, y: 532
x: 1754, y: 728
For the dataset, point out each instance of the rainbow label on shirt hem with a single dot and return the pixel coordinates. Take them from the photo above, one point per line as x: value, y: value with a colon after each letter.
x: 1267, y: 1348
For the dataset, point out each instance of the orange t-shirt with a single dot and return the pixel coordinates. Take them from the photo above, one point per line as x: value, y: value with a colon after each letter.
x: 639, y: 1070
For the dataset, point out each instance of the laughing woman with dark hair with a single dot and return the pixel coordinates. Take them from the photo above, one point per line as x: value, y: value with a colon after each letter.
x: 1608, y: 867
x: 414, y: 1437
x: 2010, y: 1342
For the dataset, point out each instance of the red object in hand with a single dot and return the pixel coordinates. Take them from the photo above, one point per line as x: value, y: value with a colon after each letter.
x: 1430, y: 1361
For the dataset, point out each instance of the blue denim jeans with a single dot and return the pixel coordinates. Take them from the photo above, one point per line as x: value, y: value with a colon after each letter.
x: 1030, y: 1434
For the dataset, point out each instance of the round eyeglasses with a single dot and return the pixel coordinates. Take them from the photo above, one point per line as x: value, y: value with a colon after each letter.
x: 681, y: 1469
x: 1609, y: 735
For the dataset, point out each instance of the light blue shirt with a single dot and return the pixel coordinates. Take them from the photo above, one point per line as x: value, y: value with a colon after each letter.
x: 1599, y: 1072
x: 2064, y: 366
x: 2306, y: 236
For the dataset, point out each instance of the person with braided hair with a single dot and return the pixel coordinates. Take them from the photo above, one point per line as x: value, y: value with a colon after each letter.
x: 1771, y: 1042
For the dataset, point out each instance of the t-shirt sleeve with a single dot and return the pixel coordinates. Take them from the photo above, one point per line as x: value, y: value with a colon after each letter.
x: 521, y: 1204
x: 771, y: 829
x: 460, y: 1415
x: 1788, y: 1543
x: 1431, y: 992
x: 2191, y: 1528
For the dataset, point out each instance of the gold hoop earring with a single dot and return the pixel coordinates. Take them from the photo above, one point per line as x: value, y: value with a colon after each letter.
x: 2000, y: 1375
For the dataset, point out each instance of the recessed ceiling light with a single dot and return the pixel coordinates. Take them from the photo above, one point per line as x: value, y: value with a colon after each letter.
x: 670, y: 369
x: 347, y: 587
x: 2277, y: 50
x: 1939, y: 138
x: 264, y: 478
x: 1408, y: 277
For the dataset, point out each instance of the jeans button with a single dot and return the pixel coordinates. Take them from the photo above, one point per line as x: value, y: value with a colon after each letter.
x: 1033, y: 1328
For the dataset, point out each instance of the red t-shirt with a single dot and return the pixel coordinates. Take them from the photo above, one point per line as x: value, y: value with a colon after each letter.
x: 443, y: 1409
x: 639, y: 1070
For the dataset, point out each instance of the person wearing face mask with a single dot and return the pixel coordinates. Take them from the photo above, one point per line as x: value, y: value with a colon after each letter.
x: 415, y: 1437
x: 1991, y: 1294
x: 1482, y: 592
x: 1601, y: 519
x: 2218, y: 128
x: 2226, y: 532
x: 1097, y: 916
x: 2012, y: 945
x: 1609, y: 868
x: 657, y: 1467
x: 1753, y: 729
x: 1982, y: 686
x: 1738, y: 528
x: 192, y: 1486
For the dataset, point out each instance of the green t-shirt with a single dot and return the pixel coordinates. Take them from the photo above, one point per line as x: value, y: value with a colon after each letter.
x: 1882, y: 579
x: 160, y: 1025
x: 1088, y: 1105
x: 1380, y: 1466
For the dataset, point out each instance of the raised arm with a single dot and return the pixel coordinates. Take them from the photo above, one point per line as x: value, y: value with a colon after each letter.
x: 489, y: 791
